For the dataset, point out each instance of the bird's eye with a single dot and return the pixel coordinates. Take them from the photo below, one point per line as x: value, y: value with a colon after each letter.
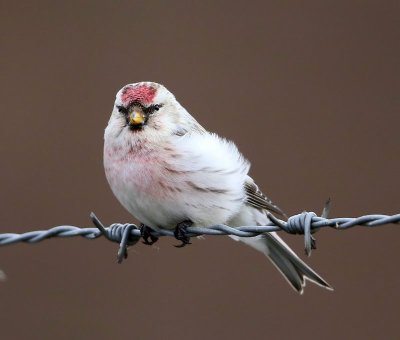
x: 122, y: 109
x: 150, y: 109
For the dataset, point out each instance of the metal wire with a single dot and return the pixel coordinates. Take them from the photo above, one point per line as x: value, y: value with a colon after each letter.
x: 127, y: 234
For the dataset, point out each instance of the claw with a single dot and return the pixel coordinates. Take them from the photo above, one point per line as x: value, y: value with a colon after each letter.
x: 180, y: 233
x: 145, y: 232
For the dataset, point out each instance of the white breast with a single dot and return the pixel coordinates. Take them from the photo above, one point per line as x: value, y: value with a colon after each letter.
x: 197, y: 177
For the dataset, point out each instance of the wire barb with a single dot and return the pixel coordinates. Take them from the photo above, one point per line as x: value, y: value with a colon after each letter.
x: 129, y: 234
x: 121, y: 233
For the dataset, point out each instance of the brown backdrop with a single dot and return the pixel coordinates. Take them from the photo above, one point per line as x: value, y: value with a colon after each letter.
x: 310, y: 93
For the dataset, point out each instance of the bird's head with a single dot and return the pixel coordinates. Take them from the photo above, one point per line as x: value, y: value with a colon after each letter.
x: 148, y: 110
x: 144, y: 106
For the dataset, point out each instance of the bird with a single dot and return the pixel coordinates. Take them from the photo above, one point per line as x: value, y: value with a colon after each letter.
x: 169, y: 172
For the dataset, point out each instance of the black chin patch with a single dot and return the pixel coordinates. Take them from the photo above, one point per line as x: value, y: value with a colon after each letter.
x: 136, y: 127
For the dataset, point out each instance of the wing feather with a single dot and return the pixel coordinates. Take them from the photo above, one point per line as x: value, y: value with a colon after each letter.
x: 256, y: 199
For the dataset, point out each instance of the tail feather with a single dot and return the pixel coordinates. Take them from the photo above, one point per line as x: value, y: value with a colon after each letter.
x: 282, y: 257
x: 285, y: 260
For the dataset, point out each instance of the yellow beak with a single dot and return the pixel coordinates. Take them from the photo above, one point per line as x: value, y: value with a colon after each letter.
x: 136, y: 118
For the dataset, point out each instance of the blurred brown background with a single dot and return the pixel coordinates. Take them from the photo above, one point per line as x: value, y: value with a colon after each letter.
x: 308, y: 90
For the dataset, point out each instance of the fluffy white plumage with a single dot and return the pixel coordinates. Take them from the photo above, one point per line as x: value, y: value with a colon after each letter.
x: 166, y: 168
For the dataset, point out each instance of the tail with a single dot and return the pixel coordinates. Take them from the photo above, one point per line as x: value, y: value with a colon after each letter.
x: 288, y: 263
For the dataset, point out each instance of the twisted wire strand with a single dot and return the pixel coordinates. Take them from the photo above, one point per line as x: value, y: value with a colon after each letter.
x: 127, y: 234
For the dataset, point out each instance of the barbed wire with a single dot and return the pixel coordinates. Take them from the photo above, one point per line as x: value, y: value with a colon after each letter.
x: 128, y: 234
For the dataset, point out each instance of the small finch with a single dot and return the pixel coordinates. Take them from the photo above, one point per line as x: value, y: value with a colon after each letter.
x: 169, y: 172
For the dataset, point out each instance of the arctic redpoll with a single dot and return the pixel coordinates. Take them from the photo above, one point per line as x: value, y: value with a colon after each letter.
x: 169, y: 172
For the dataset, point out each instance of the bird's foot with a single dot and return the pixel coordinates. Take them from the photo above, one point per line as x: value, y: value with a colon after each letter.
x: 145, y: 232
x: 180, y: 233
